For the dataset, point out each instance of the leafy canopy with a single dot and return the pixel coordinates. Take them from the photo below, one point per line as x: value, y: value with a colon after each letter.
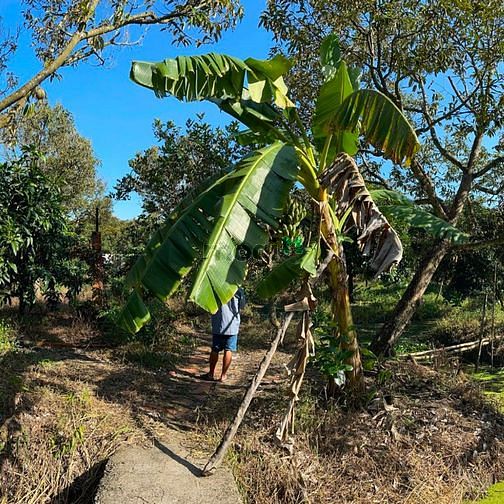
x: 35, y: 241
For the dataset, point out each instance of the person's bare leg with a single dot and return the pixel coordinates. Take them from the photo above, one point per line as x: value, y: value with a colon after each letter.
x: 214, y: 358
x: 226, y: 362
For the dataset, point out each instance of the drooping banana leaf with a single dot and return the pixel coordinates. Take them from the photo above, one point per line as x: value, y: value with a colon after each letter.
x: 376, y: 237
x: 192, y: 78
x: 287, y: 271
x: 383, y: 125
x: 265, y: 81
x: 397, y: 206
x: 223, y: 80
x: 261, y: 118
x: 208, y: 231
x: 215, y: 76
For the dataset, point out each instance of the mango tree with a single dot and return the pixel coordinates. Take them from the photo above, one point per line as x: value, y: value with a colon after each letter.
x: 205, y: 232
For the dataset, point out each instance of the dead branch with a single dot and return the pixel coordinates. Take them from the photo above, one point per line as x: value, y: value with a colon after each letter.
x: 453, y: 349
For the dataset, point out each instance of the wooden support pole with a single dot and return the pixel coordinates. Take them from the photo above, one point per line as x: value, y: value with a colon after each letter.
x: 216, y: 459
x: 482, y: 332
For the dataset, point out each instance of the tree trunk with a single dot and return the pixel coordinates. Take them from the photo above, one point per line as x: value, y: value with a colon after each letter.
x: 383, y: 343
x: 345, y: 330
x: 341, y: 310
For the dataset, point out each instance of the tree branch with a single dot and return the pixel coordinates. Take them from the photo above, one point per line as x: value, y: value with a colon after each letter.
x: 80, y: 35
x: 443, y: 151
x: 478, y: 244
x: 29, y: 86
x: 428, y: 187
x: 493, y: 192
x: 494, y: 163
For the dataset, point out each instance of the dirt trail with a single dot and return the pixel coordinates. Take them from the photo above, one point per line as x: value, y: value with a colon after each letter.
x: 165, y: 419
x: 169, y: 471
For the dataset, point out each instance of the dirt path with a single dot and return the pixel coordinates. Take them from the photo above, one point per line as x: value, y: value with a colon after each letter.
x: 169, y: 471
x: 159, y: 423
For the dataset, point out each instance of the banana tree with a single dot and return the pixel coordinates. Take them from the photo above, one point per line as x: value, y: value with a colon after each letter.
x: 203, y: 234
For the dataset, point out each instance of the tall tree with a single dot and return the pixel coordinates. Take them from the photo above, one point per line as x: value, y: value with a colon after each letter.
x: 230, y: 213
x: 68, y: 158
x: 164, y: 174
x: 66, y: 32
x: 35, y: 237
x: 440, y: 62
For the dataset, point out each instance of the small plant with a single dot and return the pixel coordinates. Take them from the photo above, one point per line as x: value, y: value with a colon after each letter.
x: 7, y: 337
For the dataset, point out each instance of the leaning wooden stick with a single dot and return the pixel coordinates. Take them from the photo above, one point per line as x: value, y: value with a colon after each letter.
x: 217, y: 457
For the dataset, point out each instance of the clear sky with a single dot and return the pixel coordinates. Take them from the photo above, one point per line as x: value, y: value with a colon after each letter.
x: 117, y: 115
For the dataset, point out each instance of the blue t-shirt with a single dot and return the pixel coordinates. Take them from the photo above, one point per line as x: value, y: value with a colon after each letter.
x: 226, y: 320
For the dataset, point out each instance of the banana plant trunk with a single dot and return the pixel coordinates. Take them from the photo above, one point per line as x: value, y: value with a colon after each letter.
x: 341, y: 310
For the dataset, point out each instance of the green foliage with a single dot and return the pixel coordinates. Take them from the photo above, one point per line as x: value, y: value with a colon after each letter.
x: 255, y: 189
x: 229, y: 215
x: 330, y: 359
x: 215, y: 76
x: 393, y: 134
x: 35, y: 243
x: 68, y: 158
x: 463, y: 323
x: 469, y: 273
x: 166, y: 174
x: 7, y: 337
x: 279, y: 278
x: 399, y: 208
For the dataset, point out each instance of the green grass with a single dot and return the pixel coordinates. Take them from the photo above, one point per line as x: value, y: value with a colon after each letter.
x: 492, y: 383
x: 495, y: 495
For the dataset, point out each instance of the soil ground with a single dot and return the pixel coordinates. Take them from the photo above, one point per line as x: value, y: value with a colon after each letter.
x: 64, y: 378
x: 69, y: 402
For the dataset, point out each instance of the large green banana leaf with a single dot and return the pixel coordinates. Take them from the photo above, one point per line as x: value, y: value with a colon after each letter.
x: 332, y: 94
x: 216, y: 76
x: 397, y: 206
x: 243, y: 89
x: 209, y: 231
x: 261, y: 118
x: 380, y: 122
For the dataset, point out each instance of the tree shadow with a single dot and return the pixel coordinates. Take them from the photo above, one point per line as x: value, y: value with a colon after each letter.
x: 196, y: 471
x: 83, y: 489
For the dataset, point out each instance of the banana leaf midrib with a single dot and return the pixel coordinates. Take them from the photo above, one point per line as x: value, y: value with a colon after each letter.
x: 176, y: 219
x: 220, y: 228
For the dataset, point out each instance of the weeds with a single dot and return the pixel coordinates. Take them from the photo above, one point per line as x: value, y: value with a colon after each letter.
x: 7, y: 337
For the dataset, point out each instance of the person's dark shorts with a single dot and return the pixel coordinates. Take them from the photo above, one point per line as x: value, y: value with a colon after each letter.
x: 224, y: 342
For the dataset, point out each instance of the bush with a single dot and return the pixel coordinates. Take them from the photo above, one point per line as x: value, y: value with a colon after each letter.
x: 463, y: 323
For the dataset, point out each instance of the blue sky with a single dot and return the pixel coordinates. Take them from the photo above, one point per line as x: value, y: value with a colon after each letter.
x: 117, y: 115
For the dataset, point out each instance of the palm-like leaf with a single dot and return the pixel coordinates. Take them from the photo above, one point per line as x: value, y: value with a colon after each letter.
x: 380, y: 121
x: 397, y: 206
x: 245, y: 90
x: 287, y: 271
x: 224, y: 216
x: 332, y: 94
x: 215, y: 76
x: 355, y: 205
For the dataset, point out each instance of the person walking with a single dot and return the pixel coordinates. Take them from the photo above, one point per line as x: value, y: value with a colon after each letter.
x: 225, y: 328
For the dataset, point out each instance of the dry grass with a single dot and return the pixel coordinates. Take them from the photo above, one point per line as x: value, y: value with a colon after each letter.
x: 425, y: 437
x: 66, y: 404
x: 58, y: 442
